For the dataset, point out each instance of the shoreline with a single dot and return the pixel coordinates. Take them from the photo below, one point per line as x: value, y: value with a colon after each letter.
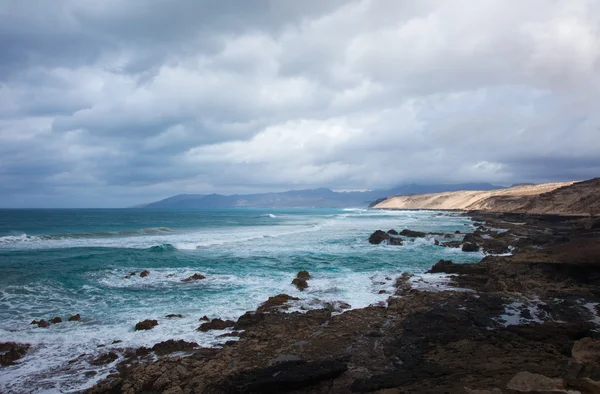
x: 520, y: 317
x: 424, y: 339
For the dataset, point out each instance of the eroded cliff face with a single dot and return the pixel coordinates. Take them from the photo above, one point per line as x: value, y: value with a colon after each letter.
x: 563, y: 198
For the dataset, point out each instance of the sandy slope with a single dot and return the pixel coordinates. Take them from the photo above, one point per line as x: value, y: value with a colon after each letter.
x: 570, y: 198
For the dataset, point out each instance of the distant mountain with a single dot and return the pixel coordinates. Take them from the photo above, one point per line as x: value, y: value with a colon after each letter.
x: 310, y: 198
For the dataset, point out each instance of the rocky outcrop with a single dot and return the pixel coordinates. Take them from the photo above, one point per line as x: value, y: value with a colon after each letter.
x: 392, y: 232
x: 412, y: 234
x: 146, y: 325
x: 378, y: 237
x: 105, y: 358
x: 281, y: 378
x: 75, y: 317
x: 194, y: 278
x: 172, y: 346
x: 470, y: 247
x: 172, y: 315
x: 216, y: 324
x: 56, y: 320
x: 11, y: 352
x: 43, y: 324
x: 277, y: 302
x: 300, y: 281
x: 144, y: 273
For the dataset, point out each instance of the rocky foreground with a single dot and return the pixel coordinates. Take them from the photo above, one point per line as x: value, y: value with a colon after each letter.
x: 521, y: 323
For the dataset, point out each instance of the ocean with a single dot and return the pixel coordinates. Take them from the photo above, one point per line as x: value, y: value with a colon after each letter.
x: 64, y: 262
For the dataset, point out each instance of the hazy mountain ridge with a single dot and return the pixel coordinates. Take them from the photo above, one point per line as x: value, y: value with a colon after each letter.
x: 307, y: 198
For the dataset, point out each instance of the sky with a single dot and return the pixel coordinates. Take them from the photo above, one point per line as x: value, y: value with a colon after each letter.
x: 109, y: 103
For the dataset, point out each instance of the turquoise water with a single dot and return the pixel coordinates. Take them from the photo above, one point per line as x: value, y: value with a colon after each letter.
x: 62, y: 262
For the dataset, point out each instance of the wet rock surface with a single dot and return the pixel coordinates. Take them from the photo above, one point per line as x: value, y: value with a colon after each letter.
x: 10, y: 352
x: 146, y: 325
x: 525, y: 323
x: 216, y: 324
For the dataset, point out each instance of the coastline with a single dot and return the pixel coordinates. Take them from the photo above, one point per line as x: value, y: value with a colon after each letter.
x: 522, y: 314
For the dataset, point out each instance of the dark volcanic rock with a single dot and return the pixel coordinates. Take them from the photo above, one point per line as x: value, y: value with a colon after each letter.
x: 171, y: 315
x: 378, y: 237
x: 144, y: 273
x: 300, y: 283
x: 248, y: 319
x: 448, y: 267
x: 11, y: 352
x: 75, y: 317
x: 56, y: 320
x: 204, y: 318
x: 43, y: 324
x: 412, y: 234
x: 216, y: 324
x: 452, y: 244
x: 392, y: 232
x: 280, y: 378
x: 194, y: 277
x: 146, y: 325
x: 276, y: 302
x: 470, y: 247
x: 172, y: 346
x: 105, y: 358
x: 395, y: 241
x: 303, y: 275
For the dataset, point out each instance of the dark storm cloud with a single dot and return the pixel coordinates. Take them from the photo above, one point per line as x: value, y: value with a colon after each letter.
x: 109, y: 103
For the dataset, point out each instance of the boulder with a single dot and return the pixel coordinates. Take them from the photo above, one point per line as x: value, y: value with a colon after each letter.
x: 144, y: 273
x: 527, y: 382
x: 412, y: 234
x: 105, y: 358
x: 171, y: 315
x: 146, y: 325
x: 276, y: 302
x: 216, y: 324
x: 75, y: 317
x: 300, y: 283
x: 248, y: 319
x: 56, y: 320
x: 303, y: 275
x: 378, y: 237
x: 172, y: 346
x: 204, y: 318
x: 43, y: 324
x: 194, y: 277
x: 457, y: 232
x: 395, y: 241
x: 470, y: 247
x: 586, y: 351
x: 11, y: 352
x: 451, y: 244
x: 392, y: 232
x: 436, y: 242
x: 34, y: 322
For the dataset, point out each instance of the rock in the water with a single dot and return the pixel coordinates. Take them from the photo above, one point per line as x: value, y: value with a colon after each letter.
x: 451, y: 244
x: 394, y: 241
x: 378, y: 237
x: 171, y: 346
x: 171, y: 315
x: 43, y: 323
x: 216, y: 324
x: 275, y: 302
x: 146, y: 325
x: 470, y: 247
x: 75, y: 317
x: 56, y: 320
x: 144, y: 273
x: 527, y: 382
x: 11, y: 352
x: 303, y: 275
x: 204, y: 318
x: 194, y: 277
x: 34, y: 322
x: 248, y: 319
x: 413, y: 234
x: 300, y: 284
x: 105, y: 358
x: 392, y: 232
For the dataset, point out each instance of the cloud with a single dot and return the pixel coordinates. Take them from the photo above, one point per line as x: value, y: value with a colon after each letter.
x: 111, y: 103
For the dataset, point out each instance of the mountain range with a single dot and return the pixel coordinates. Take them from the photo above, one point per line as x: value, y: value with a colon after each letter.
x: 310, y: 198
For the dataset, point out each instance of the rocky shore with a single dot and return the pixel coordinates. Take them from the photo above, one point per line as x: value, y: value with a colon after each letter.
x: 525, y: 319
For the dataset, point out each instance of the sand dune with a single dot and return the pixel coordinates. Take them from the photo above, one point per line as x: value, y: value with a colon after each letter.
x: 567, y: 198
